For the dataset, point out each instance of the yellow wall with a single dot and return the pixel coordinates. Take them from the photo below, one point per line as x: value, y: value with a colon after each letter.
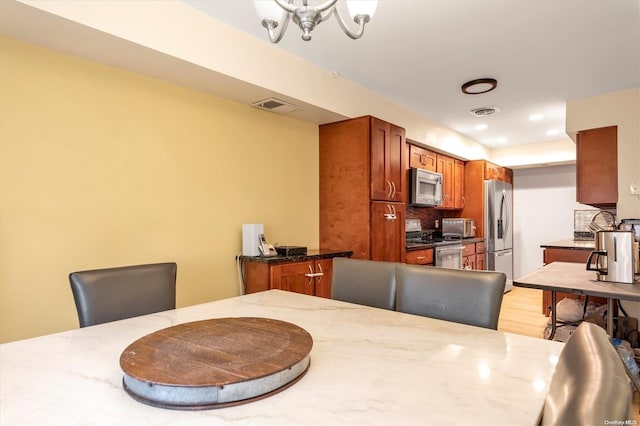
x: 102, y: 167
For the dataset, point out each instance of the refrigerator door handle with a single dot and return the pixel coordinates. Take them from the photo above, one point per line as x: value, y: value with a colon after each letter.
x: 504, y: 223
x: 501, y: 229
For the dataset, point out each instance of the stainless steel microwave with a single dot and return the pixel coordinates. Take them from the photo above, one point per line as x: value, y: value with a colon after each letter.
x: 425, y: 188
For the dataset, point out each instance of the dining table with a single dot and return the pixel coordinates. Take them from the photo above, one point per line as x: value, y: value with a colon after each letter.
x: 367, y: 366
x: 574, y: 278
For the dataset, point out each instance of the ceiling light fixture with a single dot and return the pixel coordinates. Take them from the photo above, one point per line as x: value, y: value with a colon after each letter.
x: 307, y: 17
x: 536, y: 117
x: 480, y: 85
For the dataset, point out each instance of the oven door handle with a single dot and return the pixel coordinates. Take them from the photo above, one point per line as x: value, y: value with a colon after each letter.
x: 449, y: 249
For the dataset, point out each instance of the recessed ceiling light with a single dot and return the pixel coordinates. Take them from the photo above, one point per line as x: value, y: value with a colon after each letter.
x: 484, y: 111
x: 552, y: 132
x: 502, y: 139
x: 481, y: 127
x: 536, y: 117
x: 480, y: 85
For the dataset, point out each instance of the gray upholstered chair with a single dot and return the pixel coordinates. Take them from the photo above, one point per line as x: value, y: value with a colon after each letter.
x: 468, y: 297
x: 104, y: 295
x: 589, y: 385
x: 365, y: 282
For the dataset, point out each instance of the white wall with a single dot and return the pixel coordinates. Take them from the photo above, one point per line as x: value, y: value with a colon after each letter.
x: 544, y: 201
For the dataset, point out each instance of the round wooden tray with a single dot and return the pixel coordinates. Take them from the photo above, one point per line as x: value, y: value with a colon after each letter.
x: 215, y: 363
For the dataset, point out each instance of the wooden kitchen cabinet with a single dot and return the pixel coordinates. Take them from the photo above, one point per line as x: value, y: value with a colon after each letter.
x: 452, y: 171
x: 473, y: 256
x: 387, y: 230
x: 363, y: 177
x: 420, y: 158
x: 420, y: 257
x: 307, y: 276
x: 475, y: 173
x: 388, y: 172
x: 480, y: 256
x: 458, y: 184
x: 311, y: 277
x: 597, y: 167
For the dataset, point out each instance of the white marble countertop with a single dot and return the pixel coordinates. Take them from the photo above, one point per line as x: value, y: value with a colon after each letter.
x: 368, y: 366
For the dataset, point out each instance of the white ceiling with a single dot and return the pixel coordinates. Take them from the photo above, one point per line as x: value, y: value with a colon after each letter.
x: 418, y: 53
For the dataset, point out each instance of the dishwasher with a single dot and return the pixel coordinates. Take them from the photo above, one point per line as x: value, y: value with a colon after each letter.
x: 448, y: 256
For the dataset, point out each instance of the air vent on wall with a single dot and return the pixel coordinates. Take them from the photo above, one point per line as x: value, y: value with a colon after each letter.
x: 275, y: 105
x: 484, y: 111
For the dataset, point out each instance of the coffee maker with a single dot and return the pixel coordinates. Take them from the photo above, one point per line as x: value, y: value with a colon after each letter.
x: 614, y: 256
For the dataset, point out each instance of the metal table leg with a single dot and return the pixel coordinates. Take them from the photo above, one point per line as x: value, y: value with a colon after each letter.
x: 610, y: 318
x: 553, y: 315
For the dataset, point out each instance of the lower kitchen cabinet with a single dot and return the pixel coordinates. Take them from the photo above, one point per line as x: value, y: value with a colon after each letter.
x: 420, y: 257
x: 387, y: 231
x: 473, y: 255
x: 299, y: 274
x: 311, y: 277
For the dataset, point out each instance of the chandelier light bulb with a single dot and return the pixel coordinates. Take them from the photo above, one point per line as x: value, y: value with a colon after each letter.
x: 268, y: 9
x: 361, y: 7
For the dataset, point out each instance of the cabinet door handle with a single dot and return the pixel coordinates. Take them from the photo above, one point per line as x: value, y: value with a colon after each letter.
x: 390, y: 191
x: 393, y: 185
x: 420, y: 257
x: 312, y: 274
x: 392, y: 213
x: 320, y: 274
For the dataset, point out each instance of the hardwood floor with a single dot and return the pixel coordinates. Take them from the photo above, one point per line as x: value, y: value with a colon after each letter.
x: 520, y: 314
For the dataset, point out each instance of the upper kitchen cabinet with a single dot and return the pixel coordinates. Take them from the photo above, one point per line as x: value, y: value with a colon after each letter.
x: 420, y: 158
x: 597, y: 167
x: 452, y: 171
x: 495, y: 172
x: 388, y: 170
x: 363, y: 177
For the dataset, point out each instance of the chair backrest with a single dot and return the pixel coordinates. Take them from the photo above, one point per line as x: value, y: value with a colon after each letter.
x: 104, y: 295
x: 468, y: 297
x: 365, y: 282
x: 589, y: 385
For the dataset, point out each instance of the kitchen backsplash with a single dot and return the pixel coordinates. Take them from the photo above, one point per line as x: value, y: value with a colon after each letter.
x: 427, y: 216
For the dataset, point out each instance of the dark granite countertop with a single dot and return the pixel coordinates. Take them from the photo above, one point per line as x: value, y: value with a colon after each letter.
x: 422, y: 246
x: 472, y: 240
x: 311, y: 255
x: 570, y: 244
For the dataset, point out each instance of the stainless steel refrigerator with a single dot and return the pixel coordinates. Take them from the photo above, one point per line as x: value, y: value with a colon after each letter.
x: 498, y: 228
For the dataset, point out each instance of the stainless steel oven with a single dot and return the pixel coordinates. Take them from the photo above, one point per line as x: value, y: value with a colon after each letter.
x: 449, y: 256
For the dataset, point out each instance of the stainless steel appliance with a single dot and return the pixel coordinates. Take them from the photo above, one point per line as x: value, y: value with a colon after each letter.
x: 447, y: 250
x: 448, y: 256
x: 465, y: 228
x: 425, y: 188
x: 614, y: 256
x: 498, y: 228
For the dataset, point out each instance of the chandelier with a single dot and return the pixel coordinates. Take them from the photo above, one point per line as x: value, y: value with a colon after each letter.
x: 307, y: 17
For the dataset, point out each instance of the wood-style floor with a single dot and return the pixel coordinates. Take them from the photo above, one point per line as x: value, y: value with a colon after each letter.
x: 520, y: 314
